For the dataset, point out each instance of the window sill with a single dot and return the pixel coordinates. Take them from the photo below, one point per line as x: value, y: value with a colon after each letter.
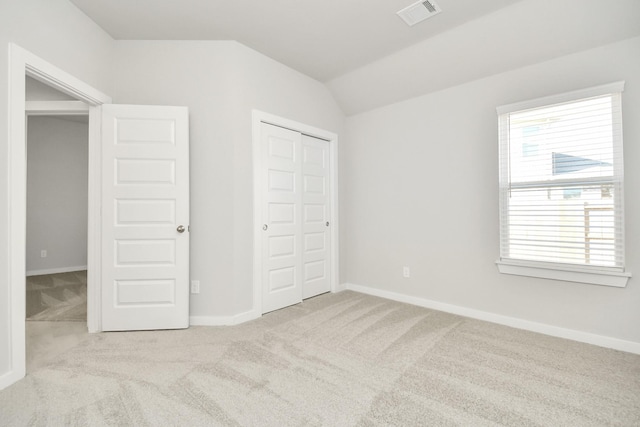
x: 592, y: 277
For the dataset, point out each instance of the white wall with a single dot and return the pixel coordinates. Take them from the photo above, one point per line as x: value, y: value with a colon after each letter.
x: 221, y: 82
x: 422, y: 184
x: 58, y: 32
x: 57, y: 178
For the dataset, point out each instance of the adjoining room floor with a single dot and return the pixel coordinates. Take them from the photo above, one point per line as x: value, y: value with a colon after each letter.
x: 56, y: 309
x: 57, y: 297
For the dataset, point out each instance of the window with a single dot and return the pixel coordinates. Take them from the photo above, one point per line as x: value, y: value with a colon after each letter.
x: 561, y: 187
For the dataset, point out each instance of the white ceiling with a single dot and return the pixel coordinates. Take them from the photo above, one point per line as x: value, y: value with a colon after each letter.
x: 525, y: 33
x: 323, y: 39
x: 365, y: 54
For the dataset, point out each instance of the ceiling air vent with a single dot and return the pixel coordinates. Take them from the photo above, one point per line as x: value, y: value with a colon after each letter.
x: 419, y: 11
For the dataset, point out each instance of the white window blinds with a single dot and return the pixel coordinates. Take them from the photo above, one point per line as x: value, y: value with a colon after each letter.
x: 561, y: 180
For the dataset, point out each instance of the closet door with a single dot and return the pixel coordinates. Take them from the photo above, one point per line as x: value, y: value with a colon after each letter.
x: 295, y: 209
x: 282, y: 225
x: 315, y: 216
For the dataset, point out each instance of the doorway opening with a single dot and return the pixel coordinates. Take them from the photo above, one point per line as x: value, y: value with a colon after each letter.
x: 56, y: 222
x: 23, y: 64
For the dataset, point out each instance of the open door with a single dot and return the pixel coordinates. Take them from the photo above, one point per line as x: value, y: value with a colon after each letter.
x: 145, y: 217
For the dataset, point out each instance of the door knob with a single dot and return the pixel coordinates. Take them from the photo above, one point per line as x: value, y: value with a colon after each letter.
x: 265, y: 227
x: 180, y: 229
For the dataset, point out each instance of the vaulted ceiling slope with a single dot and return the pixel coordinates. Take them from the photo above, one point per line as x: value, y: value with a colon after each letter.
x: 322, y: 39
x: 525, y: 33
x: 365, y: 54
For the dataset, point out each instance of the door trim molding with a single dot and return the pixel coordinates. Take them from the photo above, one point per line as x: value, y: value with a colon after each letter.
x: 56, y: 108
x: 259, y: 117
x: 21, y: 64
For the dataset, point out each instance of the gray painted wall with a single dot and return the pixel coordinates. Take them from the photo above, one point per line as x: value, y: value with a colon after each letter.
x: 221, y: 82
x: 422, y: 180
x: 57, y: 167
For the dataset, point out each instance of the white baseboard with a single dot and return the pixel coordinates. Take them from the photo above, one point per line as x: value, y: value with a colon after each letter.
x: 238, y: 318
x: 9, y: 378
x: 555, y: 331
x: 56, y: 270
x: 339, y: 288
x: 223, y: 320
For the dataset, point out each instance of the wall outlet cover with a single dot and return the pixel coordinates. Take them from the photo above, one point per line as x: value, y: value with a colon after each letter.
x: 406, y: 272
x: 195, y: 286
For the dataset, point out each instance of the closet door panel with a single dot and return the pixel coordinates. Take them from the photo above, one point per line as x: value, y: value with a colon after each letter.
x: 282, y: 224
x: 315, y: 217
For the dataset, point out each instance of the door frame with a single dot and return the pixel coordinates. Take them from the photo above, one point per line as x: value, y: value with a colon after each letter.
x: 23, y: 63
x: 259, y: 117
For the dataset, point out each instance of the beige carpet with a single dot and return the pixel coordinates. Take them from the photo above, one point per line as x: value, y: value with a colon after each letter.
x: 57, y: 297
x: 342, y: 359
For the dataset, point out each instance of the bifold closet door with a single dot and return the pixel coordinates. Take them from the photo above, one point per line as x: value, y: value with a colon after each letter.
x: 295, y: 246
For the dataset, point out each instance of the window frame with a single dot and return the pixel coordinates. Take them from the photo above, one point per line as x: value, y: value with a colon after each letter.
x: 582, y: 273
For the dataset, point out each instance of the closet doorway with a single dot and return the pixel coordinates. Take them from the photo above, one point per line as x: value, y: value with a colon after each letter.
x: 296, y: 212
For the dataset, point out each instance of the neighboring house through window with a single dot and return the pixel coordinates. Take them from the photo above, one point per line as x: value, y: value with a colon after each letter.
x: 561, y: 187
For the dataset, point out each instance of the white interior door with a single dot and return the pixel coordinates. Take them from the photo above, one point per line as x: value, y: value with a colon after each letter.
x: 145, y: 217
x: 295, y: 195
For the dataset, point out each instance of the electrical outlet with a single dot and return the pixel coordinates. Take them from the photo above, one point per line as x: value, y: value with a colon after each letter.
x: 195, y: 286
x: 43, y: 253
x: 406, y: 272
